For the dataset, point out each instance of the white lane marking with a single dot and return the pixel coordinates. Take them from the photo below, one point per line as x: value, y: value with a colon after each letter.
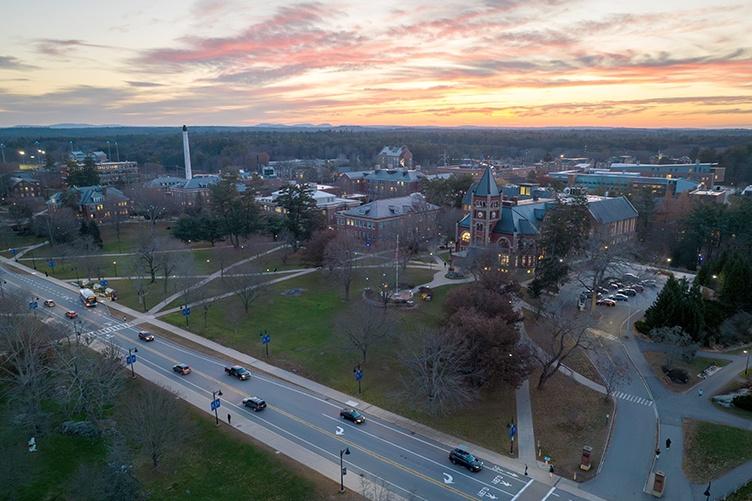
x: 448, y: 479
x: 351, y: 403
x: 548, y: 494
x: 519, y: 493
x: 441, y: 465
x: 254, y: 415
x: 339, y: 431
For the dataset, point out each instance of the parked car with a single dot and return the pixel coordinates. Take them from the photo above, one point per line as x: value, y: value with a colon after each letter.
x: 182, y: 369
x: 239, y: 372
x: 352, y: 415
x: 638, y: 287
x: 627, y: 292
x: 602, y: 290
x: 49, y: 303
x: 616, y: 285
x: 630, y: 277
x: 71, y: 314
x: 254, y: 403
x: 145, y: 336
x: 619, y: 297
x: 462, y: 457
x: 649, y: 283
x: 606, y: 302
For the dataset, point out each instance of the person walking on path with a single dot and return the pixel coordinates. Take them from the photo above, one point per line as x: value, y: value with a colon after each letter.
x: 229, y: 419
x: 551, y: 471
x: 657, y: 454
x: 668, y: 443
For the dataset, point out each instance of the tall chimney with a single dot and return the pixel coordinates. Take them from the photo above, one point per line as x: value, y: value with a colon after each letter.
x: 187, y: 154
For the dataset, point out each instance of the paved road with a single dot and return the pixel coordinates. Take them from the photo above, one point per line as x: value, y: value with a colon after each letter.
x: 410, y: 465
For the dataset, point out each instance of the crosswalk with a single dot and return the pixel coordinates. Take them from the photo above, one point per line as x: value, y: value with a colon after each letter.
x: 107, y: 331
x: 633, y: 398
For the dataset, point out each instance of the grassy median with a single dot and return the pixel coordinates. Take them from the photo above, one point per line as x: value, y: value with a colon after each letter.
x: 713, y: 449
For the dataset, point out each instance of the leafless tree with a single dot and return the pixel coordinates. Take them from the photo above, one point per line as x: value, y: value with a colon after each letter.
x: 25, y: 366
x: 378, y: 490
x: 152, y: 204
x: 364, y: 326
x: 147, y: 254
x: 86, y: 253
x: 615, y: 374
x: 154, y: 423
x: 563, y: 339
x: 247, y: 287
x: 139, y: 279
x: 88, y: 382
x: 172, y: 263
x: 338, y: 259
x: 437, y: 371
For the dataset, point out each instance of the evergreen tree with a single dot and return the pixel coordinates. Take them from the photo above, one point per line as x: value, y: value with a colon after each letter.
x: 302, y: 217
x: 93, y: 231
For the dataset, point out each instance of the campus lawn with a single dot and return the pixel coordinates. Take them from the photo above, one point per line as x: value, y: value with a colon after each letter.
x: 304, y: 340
x: 744, y: 493
x: 214, y: 463
x: 12, y: 240
x: 128, y: 296
x: 713, y: 449
x: 562, y: 428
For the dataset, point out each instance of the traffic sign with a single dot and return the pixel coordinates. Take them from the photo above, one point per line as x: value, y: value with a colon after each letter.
x: 215, y: 404
x: 358, y: 374
x: 33, y: 305
x: 14, y: 251
x: 104, y: 282
x: 266, y: 338
x: 512, y: 431
x: 51, y: 263
x: 130, y: 359
x: 186, y: 311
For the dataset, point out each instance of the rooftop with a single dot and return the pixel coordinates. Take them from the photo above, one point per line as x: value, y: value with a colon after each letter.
x: 392, y: 207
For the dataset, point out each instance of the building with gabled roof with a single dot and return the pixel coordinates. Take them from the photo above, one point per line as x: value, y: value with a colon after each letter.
x: 380, y: 183
x: 513, y: 225
x: 99, y: 203
x: 377, y: 223
x: 395, y: 157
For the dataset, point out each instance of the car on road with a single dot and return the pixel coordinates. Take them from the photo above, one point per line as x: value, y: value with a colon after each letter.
x: 239, y: 372
x: 627, y: 292
x: 352, y: 415
x: 606, y: 302
x: 461, y: 457
x: 630, y: 277
x: 146, y: 336
x: 254, y: 403
x: 49, y: 303
x: 182, y: 369
x: 71, y: 314
x: 619, y: 297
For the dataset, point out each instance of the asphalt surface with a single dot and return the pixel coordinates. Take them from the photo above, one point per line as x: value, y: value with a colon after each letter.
x: 410, y: 465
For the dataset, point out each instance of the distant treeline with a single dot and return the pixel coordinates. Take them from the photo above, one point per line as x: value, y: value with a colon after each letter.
x: 216, y: 147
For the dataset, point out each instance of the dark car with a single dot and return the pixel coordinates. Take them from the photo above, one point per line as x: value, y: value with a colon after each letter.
x: 638, y: 287
x: 462, y: 457
x: 649, y: 282
x: 182, y: 369
x: 627, y: 292
x: 71, y: 314
x: 49, y: 303
x: 254, y: 403
x: 606, y: 302
x: 352, y: 415
x: 239, y: 372
x: 145, y: 336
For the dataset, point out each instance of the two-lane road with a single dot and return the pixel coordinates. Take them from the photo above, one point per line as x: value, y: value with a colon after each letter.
x: 412, y: 466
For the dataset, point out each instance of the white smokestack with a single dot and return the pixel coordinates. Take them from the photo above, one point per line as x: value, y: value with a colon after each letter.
x: 187, y: 154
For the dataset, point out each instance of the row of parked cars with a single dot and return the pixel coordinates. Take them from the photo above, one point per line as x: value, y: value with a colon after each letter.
x: 629, y: 286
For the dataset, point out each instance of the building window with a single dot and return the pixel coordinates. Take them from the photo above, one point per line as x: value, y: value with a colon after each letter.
x: 465, y: 237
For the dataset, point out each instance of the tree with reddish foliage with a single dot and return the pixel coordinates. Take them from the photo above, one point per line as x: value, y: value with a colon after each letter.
x: 315, y: 248
x: 488, y: 302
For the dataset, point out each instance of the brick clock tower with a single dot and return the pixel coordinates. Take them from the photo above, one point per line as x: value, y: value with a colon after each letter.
x: 485, y: 209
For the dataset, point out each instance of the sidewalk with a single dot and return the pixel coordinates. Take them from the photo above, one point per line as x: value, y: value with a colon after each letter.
x: 330, y: 393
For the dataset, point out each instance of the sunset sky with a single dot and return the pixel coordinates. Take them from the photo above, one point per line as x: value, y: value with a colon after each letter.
x: 498, y: 63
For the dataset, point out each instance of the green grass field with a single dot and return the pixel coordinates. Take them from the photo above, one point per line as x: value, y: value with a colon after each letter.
x: 713, y: 449
x: 214, y: 463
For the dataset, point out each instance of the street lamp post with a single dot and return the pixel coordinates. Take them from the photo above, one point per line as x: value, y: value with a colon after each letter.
x: 746, y: 366
x: 215, y: 405
x: 342, y: 470
x: 707, y: 493
x: 114, y: 263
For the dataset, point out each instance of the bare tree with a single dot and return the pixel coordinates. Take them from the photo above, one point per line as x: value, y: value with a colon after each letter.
x: 172, y: 263
x: 152, y: 204
x: 139, y: 279
x: 147, y: 254
x: 25, y: 367
x: 615, y: 374
x: 338, y: 259
x: 88, y: 382
x: 602, y: 258
x: 154, y: 422
x: 247, y: 287
x: 364, y: 326
x: 563, y: 339
x: 378, y: 490
x: 437, y: 372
